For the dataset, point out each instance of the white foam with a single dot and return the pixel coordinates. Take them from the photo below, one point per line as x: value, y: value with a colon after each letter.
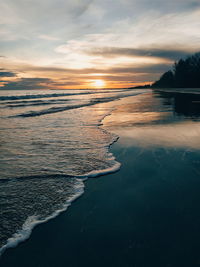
x: 97, y: 173
x: 32, y: 221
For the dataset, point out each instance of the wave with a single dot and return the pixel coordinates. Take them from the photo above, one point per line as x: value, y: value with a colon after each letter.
x: 32, y: 221
x: 18, y: 97
x: 34, y: 103
x: 35, y: 96
x: 50, y: 110
x: 64, y: 108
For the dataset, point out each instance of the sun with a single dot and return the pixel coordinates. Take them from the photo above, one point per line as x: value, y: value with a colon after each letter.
x: 99, y: 83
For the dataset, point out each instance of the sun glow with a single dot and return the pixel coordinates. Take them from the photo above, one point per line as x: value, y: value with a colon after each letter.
x: 99, y: 83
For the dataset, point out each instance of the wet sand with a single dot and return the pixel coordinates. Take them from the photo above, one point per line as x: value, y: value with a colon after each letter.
x: 147, y: 214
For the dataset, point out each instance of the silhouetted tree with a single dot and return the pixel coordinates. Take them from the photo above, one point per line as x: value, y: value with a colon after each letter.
x: 166, y: 80
x: 186, y: 73
x: 181, y: 73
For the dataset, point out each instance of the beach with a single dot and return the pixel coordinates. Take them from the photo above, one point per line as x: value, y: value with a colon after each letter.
x: 147, y: 213
x: 99, y: 133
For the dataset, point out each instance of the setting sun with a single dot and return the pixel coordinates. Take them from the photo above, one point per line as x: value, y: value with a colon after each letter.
x: 99, y: 83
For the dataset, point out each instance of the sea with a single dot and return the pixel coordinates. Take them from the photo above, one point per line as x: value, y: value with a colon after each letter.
x: 51, y: 142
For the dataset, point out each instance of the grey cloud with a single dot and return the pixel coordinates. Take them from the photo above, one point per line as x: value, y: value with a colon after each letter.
x: 150, y: 68
x: 7, y: 73
x: 144, y: 52
x: 36, y: 83
x: 158, y: 68
x: 67, y: 83
x: 194, y: 4
x: 82, y: 8
x: 28, y: 83
x: 163, y: 6
x: 46, y: 14
x: 149, y: 72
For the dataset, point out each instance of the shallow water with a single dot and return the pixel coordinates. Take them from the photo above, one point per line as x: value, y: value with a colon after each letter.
x: 158, y: 120
x: 50, y: 142
x: 144, y: 215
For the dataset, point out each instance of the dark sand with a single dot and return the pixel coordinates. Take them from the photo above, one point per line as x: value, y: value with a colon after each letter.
x: 145, y: 215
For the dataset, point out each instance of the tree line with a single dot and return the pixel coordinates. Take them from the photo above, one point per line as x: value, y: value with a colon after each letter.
x: 185, y: 73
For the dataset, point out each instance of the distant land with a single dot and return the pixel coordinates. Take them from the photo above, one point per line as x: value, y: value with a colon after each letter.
x: 184, y: 74
x: 146, y: 86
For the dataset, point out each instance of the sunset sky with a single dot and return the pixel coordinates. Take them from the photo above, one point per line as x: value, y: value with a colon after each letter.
x: 60, y: 44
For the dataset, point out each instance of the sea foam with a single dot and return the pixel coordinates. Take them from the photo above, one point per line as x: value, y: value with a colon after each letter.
x: 32, y: 221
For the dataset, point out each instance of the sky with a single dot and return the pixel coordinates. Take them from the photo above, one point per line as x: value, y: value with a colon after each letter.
x: 71, y: 44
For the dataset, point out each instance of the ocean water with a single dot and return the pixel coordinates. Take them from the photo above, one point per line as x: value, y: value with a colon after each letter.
x: 51, y: 141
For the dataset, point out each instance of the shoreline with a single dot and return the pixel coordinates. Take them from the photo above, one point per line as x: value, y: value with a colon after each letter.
x: 178, y: 90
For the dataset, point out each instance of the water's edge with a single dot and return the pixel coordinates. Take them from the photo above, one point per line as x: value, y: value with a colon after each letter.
x: 32, y: 221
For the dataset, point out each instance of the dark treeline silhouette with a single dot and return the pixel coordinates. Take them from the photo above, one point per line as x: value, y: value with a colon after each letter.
x: 185, y: 73
x: 141, y: 87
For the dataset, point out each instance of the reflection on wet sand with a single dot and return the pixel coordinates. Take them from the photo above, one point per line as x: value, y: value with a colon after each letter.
x: 184, y: 104
x: 158, y: 120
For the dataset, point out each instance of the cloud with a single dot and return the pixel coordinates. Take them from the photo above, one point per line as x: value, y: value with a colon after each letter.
x: 149, y: 68
x: 168, y: 37
x: 123, y: 68
x: 48, y: 37
x: 133, y: 52
x: 37, y: 83
x: 7, y: 74
x: 28, y: 83
x: 85, y: 37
